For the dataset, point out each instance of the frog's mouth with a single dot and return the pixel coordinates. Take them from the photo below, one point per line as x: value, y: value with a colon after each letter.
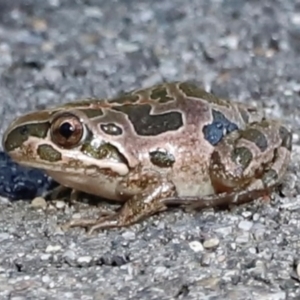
x: 63, y: 161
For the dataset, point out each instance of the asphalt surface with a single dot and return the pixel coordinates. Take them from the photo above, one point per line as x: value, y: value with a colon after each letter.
x: 58, y: 50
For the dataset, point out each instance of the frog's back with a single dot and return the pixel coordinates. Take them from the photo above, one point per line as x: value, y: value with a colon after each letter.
x: 176, y: 115
x: 175, y: 109
x: 174, y: 127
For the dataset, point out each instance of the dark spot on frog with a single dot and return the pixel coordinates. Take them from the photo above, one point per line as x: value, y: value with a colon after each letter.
x: 162, y: 158
x: 220, y: 127
x: 103, y: 151
x: 286, y: 137
x: 146, y: 124
x: 192, y: 90
x: 255, y: 136
x: 92, y: 113
x: 111, y: 129
x: 19, y: 135
x: 48, y: 153
x: 161, y: 94
x: 125, y: 98
x: 264, y: 124
x: 242, y: 156
x: 85, y: 103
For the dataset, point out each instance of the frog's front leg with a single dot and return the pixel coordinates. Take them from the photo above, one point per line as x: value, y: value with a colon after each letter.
x: 246, y: 165
x: 145, y: 191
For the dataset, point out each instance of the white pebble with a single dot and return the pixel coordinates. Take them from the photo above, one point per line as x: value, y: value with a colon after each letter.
x: 84, y: 259
x: 245, y: 225
x: 53, y: 248
x: 196, y: 246
x: 39, y: 202
x: 60, y: 204
x: 211, y: 243
x: 129, y: 235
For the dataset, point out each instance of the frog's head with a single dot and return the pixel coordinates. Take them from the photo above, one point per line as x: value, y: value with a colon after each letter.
x: 69, y: 141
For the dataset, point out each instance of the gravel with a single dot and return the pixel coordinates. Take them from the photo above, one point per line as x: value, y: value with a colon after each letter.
x: 54, y: 51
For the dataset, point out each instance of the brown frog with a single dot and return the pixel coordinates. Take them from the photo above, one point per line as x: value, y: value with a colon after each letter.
x: 173, y: 143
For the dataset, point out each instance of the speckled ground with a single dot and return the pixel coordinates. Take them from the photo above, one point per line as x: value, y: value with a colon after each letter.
x: 58, y: 50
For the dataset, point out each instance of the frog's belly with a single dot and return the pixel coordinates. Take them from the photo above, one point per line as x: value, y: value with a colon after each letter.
x: 191, y: 178
x: 191, y: 187
x: 99, y: 186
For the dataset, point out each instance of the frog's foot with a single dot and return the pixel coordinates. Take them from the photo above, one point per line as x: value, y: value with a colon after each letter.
x: 218, y: 200
x: 138, y: 207
x: 103, y: 222
x: 71, y: 201
x: 55, y: 193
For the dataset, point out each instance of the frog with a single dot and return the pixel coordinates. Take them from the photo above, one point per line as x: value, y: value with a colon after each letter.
x: 151, y: 148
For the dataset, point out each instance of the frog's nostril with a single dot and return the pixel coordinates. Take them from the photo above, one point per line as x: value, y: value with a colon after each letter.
x: 23, y: 130
x: 251, y: 109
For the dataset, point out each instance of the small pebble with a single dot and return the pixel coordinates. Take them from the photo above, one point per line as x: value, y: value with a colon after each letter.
x: 233, y: 246
x: 45, y: 257
x: 46, y: 278
x: 231, y: 42
x: 205, y: 260
x: 162, y: 270
x: 196, y: 246
x: 247, y: 214
x: 259, y: 270
x: 242, y: 238
x: 4, y: 236
x: 245, y: 225
x: 298, y: 269
x: 224, y: 231
x: 221, y: 258
x: 295, y: 18
x: 252, y: 250
x: 256, y: 217
x: 51, y: 75
x: 60, y: 204
x: 211, y: 243
x: 266, y: 254
x: 76, y: 216
x: 39, y: 202
x: 39, y: 24
x: 129, y: 235
x: 84, y: 260
x: 126, y: 47
x: 53, y: 248
x: 70, y: 255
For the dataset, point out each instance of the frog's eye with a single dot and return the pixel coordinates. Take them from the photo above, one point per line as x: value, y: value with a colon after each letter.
x: 67, y: 130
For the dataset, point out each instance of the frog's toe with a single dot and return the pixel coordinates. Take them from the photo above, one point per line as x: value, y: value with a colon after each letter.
x: 79, y: 223
x: 106, y: 222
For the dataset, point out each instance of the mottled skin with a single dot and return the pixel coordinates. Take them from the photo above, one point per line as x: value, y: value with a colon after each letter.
x: 169, y: 144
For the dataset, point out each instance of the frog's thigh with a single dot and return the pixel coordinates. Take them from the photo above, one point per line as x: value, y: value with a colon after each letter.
x: 241, y: 173
x: 260, y: 151
x: 257, y: 188
x: 277, y: 168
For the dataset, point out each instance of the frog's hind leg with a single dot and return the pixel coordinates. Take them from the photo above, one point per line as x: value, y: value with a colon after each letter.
x: 245, y: 166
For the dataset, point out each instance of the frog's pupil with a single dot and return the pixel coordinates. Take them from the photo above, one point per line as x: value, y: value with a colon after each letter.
x: 66, y: 130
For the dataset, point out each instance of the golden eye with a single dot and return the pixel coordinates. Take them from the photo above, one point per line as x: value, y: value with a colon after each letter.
x: 67, y: 130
